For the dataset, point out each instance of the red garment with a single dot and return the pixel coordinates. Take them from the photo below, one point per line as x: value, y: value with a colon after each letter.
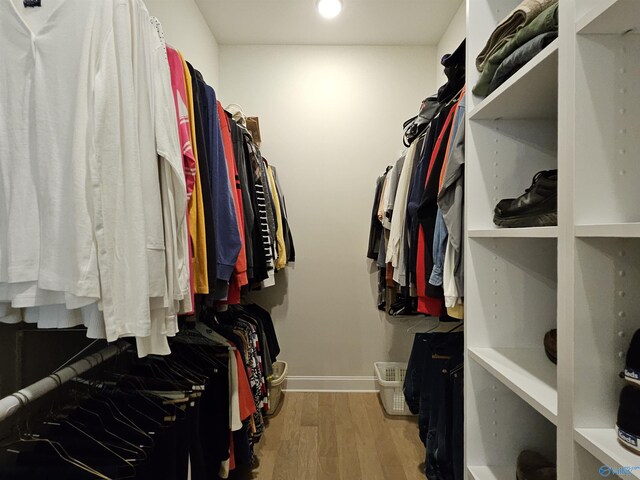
x: 239, y: 277
x: 232, y: 454
x: 426, y: 304
x: 247, y: 403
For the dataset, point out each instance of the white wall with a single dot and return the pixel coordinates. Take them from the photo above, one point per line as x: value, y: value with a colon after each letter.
x: 451, y: 38
x: 331, y: 120
x: 185, y: 29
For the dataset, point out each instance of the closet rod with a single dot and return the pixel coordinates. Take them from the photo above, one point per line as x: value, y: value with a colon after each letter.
x: 12, y: 403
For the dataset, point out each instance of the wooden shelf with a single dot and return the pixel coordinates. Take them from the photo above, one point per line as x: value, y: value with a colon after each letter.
x: 532, y: 232
x: 611, y: 16
x: 613, y: 230
x: 525, y: 371
x: 532, y: 93
x: 603, y: 444
x: 493, y: 473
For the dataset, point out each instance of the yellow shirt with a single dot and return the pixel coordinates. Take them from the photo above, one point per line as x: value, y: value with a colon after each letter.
x: 197, y: 227
x: 281, y: 261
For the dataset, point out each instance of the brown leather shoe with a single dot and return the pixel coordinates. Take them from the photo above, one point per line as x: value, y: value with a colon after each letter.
x: 534, y: 466
x: 551, y: 345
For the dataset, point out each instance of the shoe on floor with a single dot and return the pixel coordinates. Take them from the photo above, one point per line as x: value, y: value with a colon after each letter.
x: 628, y: 424
x: 632, y: 366
x: 536, y: 207
x: 551, y: 345
x: 534, y: 466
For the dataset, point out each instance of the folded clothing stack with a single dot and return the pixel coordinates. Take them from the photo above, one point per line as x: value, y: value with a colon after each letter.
x: 530, y: 28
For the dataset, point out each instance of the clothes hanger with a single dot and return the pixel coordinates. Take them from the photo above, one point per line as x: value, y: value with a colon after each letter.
x: 208, y: 356
x: 440, y: 327
x: 59, y: 450
x: 420, y: 324
x: 196, y: 379
x: 102, y: 401
x: 238, y: 111
x: 82, y: 417
x: 142, y: 393
x: 126, y: 462
x: 84, y: 421
x: 104, y: 390
x: 56, y: 447
x: 102, y: 407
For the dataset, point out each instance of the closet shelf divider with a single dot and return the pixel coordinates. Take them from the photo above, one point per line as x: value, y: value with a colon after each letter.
x: 603, y: 444
x: 525, y: 371
x: 531, y: 93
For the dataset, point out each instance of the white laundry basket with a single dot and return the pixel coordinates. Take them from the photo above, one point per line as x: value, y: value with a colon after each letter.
x: 390, y: 377
x: 275, y: 386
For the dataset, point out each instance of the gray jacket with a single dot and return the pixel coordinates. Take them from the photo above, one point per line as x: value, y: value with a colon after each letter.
x: 451, y: 196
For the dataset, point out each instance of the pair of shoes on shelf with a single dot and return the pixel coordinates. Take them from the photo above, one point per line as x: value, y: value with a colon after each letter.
x: 628, y: 423
x: 534, y: 466
x: 551, y: 345
x: 536, y: 207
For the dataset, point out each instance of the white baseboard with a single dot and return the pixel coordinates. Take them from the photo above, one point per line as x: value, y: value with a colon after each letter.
x: 330, y: 384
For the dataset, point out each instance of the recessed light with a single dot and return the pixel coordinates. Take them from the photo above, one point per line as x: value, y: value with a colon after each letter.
x: 329, y: 8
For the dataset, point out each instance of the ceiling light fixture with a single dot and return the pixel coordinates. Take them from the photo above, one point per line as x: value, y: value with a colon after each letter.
x: 329, y: 8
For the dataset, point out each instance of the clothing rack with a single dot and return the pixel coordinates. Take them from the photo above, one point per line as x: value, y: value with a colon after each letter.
x: 10, y: 404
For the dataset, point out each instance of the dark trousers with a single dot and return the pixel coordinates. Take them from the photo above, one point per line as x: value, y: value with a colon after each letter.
x: 431, y: 392
x: 457, y: 433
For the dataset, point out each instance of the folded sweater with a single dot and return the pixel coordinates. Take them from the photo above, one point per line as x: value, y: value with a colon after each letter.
x: 521, y: 16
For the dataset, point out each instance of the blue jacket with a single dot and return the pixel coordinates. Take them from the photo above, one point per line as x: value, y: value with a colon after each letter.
x: 228, y: 240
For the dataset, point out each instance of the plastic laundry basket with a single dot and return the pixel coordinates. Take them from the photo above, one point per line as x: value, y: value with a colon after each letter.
x: 275, y: 387
x: 390, y: 377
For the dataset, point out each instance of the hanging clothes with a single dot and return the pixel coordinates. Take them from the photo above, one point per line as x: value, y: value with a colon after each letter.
x: 133, y: 178
x: 197, y: 219
x: 407, y: 220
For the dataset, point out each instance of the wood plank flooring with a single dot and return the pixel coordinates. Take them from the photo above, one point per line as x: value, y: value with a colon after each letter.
x: 337, y: 436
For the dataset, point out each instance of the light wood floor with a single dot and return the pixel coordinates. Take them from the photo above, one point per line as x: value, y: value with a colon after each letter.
x: 337, y: 436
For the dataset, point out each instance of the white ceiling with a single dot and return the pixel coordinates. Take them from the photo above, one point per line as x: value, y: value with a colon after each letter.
x: 297, y: 22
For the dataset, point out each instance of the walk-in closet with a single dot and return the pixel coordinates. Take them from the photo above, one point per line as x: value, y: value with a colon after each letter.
x: 319, y: 239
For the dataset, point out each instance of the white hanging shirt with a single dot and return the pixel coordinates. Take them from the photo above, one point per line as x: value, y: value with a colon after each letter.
x: 395, y: 248
x: 50, y: 56
x: 71, y: 208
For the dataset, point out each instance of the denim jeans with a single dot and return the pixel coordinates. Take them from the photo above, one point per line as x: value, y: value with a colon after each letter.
x: 413, y: 377
x: 457, y: 433
x: 430, y: 386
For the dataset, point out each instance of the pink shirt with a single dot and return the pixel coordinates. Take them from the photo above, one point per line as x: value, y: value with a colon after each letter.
x: 184, y: 122
x: 184, y: 134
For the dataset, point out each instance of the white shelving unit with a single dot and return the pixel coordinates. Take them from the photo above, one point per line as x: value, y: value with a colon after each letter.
x: 574, y: 107
x: 602, y: 444
x: 491, y: 473
x: 518, y: 97
x: 611, y: 230
x: 526, y: 372
x: 534, y: 232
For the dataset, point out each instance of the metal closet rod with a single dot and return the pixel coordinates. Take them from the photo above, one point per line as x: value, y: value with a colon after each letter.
x: 12, y: 403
